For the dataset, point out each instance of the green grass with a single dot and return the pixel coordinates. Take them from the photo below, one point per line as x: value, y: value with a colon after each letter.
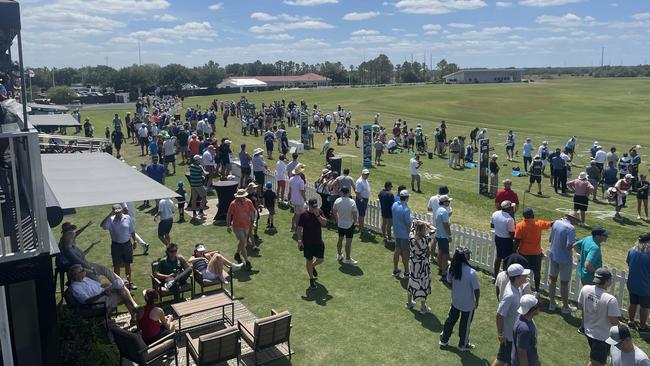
x: 358, y: 317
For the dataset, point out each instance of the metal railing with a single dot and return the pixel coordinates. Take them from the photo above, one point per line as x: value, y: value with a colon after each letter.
x: 63, y: 144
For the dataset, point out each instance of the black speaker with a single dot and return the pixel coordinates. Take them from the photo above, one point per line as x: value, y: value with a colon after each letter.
x: 336, y: 164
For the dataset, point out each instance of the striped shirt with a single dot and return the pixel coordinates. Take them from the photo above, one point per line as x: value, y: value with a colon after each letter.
x: 196, y: 175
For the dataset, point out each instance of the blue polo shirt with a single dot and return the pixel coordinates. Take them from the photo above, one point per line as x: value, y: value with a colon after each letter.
x: 401, y: 220
x: 639, y: 273
x: 442, y: 218
x: 589, y: 251
x: 156, y: 172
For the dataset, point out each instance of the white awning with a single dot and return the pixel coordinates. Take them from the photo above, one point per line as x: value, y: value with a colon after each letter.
x: 94, y: 179
x: 52, y: 120
x: 239, y: 82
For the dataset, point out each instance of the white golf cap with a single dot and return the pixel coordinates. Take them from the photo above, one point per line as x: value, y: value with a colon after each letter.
x: 404, y: 193
x: 365, y: 171
x: 517, y: 270
x: 526, y: 303
x: 200, y: 248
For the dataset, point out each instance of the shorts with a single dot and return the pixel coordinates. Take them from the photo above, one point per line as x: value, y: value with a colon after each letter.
x: 635, y: 299
x: 121, y: 253
x: 282, y: 183
x: 443, y: 245
x: 271, y: 210
x: 144, y: 141
x: 240, y: 234
x: 535, y: 178
x: 170, y: 158
x: 199, y: 191
x: 594, y: 183
x: 298, y: 208
x: 504, y: 246
x: 165, y: 226
x: 623, y: 201
x: 246, y: 171
x: 362, y: 205
x: 534, y: 262
x: 563, y: 270
x: 402, y: 244
x: 504, y: 352
x: 311, y: 251
x: 510, y: 148
x: 183, y: 149
x: 348, y: 233
x: 259, y: 177
x: 599, y: 350
x: 580, y: 203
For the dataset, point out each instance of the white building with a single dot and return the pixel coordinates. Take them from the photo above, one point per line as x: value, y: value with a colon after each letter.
x: 481, y: 76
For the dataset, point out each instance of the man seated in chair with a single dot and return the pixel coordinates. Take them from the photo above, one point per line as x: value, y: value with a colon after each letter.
x: 210, y: 264
x: 153, y: 324
x: 172, y: 270
x: 87, y: 291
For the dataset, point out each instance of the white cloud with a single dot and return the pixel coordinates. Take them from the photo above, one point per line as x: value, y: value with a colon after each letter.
x: 66, y: 19
x: 361, y: 16
x: 309, y: 2
x: 437, y: 6
x: 164, y: 18
x: 365, y: 32
x: 216, y: 7
x: 105, y: 6
x: 276, y: 37
x: 568, y: 20
x: 484, y: 33
x: 641, y: 16
x: 369, y: 39
x: 431, y: 27
x: 283, y: 27
x: 545, y: 3
x: 398, y: 30
x: 460, y: 25
x: 503, y: 4
x: 265, y: 17
x: 194, y: 31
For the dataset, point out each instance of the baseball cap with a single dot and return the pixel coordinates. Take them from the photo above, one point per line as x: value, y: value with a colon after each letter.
x: 602, y: 274
x: 507, y: 204
x: 313, y: 203
x: 599, y: 231
x: 180, y: 183
x: 629, y: 176
x: 526, y: 303
x: 404, y: 193
x: 528, y: 213
x: 117, y: 207
x: 200, y: 248
x: 365, y: 171
x: 645, y: 237
x: 617, y: 334
x: 269, y: 185
x: 517, y: 270
x: 196, y: 157
x: 444, y: 198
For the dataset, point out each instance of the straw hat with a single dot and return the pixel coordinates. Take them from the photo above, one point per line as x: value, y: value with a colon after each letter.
x: 258, y: 150
x: 241, y: 193
x: 583, y: 176
x: 298, y: 169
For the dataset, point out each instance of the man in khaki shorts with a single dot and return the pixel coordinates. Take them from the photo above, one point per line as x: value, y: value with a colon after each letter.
x: 296, y: 195
x: 240, y: 219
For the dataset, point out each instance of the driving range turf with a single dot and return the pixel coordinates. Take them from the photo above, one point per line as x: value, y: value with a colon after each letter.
x: 357, y: 315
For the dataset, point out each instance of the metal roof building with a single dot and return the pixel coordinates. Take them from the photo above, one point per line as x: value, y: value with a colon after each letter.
x: 480, y: 76
x: 287, y: 81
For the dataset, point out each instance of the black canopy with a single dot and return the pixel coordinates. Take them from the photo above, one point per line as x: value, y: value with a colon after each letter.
x: 9, y: 23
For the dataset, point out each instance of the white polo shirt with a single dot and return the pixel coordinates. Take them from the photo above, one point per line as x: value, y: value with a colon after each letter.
x: 362, y: 188
x: 208, y: 158
x: 120, y: 230
x: 503, y: 224
x: 166, y: 209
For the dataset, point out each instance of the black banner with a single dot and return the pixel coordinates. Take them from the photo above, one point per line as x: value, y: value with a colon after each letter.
x: 484, y: 166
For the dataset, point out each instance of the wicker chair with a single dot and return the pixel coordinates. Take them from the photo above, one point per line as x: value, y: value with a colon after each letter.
x: 133, y: 348
x: 267, y: 332
x: 213, y: 348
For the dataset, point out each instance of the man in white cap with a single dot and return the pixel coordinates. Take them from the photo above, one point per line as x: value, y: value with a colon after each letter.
x: 345, y: 212
x: 297, y: 195
x: 362, y: 189
x: 600, y: 312
x: 582, y: 189
x: 504, y: 231
x: 623, y: 187
x: 507, y: 312
x: 524, y: 339
x: 543, y: 153
x: 600, y: 157
x: 443, y: 234
x: 624, y: 351
x: 122, y: 230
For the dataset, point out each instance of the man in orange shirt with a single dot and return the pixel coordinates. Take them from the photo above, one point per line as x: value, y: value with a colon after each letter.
x: 194, y: 145
x: 528, y: 240
x: 240, y: 219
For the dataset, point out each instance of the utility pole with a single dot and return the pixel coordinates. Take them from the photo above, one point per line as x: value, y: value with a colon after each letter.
x: 139, y: 54
x: 602, y: 56
x: 53, y: 83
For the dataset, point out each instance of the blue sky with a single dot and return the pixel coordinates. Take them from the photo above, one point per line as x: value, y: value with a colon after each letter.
x: 471, y: 33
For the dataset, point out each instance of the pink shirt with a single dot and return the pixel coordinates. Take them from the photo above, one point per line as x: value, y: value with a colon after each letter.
x: 581, y: 187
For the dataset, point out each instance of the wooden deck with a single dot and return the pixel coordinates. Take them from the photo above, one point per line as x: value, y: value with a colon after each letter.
x: 241, y: 314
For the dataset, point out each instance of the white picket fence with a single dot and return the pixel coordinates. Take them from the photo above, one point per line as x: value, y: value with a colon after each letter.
x: 480, y: 243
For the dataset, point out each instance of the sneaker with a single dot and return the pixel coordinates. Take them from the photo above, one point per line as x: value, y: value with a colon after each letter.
x: 442, y: 344
x: 407, y: 274
x: 237, y: 267
x: 569, y: 309
x: 339, y: 257
x: 315, y: 273
x: 425, y: 310
x: 146, y: 249
x: 351, y: 261
x: 396, y: 272
x: 467, y: 347
x: 581, y: 330
x: 551, y: 307
x: 238, y: 257
x: 638, y: 217
x: 132, y: 286
x: 312, y: 284
x: 409, y: 305
x: 223, y: 280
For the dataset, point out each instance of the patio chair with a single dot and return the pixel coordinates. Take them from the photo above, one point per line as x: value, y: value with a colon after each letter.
x: 132, y: 347
x: 87, y: 310
x: 203, y: 282
x: 159, y: 285
x: 267, y: 332
x: 213, y: 348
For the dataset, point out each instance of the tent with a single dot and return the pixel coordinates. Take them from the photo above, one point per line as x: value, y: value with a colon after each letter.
x: 241, y: 83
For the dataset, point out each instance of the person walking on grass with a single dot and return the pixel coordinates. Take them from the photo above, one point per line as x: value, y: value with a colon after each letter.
x: 528, y: 241
x: 443, y: 235
x: 269, y: 198
x: 240, y: 219
x: 419, y: 272
x: 281, y: 176
x: 535, y: 173
x: 401, y: 214
x: 507, y: 312
x: 600, y: 312
x: 595, y: 178
x: 296, y: 195
x: 510, y: 145
x: 122, y: 230
x: 638, y: 262
x: 362, y: 195
x: 642, y: 196
x: 198, y: 192
x: 524, y: 338
x: 310, y: 240
x: 623, y: 350
x: 527, y: 154
x: 582, y: 189
x: 386, y: 200
x: 414, y: 170
x: 465, y: 295
x: 563, y: 238
x: 346, y: 214
x: 165, y: 212
x: 503, y: 224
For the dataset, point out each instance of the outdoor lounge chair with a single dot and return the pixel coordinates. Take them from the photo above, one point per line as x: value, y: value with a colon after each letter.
x: 159, y: 285
x: 213, y: 348
x: 203, y: 282
x: 267, y: 332
x: 132, y: 347
x: 87, y: 310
